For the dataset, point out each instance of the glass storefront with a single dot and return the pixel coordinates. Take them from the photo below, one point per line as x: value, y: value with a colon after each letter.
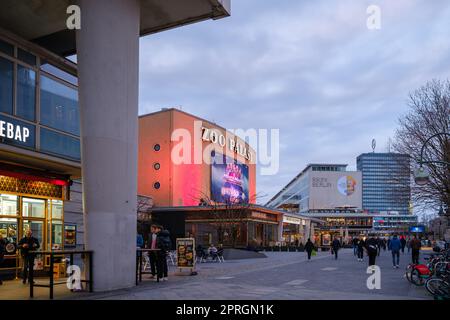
x: 19, y: 213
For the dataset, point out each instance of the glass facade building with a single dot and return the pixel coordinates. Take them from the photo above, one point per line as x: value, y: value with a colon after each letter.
x: 386, y: 182
x: 39, y: 103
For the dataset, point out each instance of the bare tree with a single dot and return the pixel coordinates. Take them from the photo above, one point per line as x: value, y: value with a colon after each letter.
x: 429, y: 115
x: 228, y: 216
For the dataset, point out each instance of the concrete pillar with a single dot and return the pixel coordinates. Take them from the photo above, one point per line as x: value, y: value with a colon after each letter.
x: 108, y: 65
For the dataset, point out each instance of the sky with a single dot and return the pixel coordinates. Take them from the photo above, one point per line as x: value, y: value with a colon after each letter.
x: 311, y: 69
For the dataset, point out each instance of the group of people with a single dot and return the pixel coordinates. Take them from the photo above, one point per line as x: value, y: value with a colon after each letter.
x: 372, y: 247
x: 396, y: 244
x: 159, y: 240
x: 26, y: 244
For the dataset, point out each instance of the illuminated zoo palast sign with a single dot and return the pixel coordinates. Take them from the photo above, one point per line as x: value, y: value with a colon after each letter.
x: 233, y: 144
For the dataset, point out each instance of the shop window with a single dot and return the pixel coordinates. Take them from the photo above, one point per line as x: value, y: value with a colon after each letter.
x: 56, y: 235
x: 49, y: 68
x: 70, y: 235
x: 26, y: 93
x: 57, y: 209
x: 33, y: 208
x: 6, y: 48
x: 8, y: 229
x: 60, y: 144
x: 8, y: 205
x: 6, y: 85
x: 26, y: 57
x: 157, y: 147
x: 157, y: 185
x: 37, y: 228
x: 157, y: 166
x: 59, y: 106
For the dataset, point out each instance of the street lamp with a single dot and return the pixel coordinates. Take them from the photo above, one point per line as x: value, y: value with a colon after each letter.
x: 422, y: 174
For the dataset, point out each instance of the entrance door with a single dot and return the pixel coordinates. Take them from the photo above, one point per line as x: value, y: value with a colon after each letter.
x: 34, y: 213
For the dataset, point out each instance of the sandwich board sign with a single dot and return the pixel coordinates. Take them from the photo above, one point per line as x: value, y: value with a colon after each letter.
x: 186, y: 253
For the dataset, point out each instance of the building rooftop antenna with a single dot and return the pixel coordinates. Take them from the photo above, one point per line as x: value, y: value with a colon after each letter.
x: 374, y: 145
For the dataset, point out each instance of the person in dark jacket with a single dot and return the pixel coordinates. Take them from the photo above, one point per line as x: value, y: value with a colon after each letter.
x: 395, y: 246
x: 336, y: 245
x: 27, y: 244
x: 415, y: 248
x: 360, y: 246
x: 403, y: 243
x: 355, y: 246
x: 309, y: 247
x: 2, y: 253
x: 371, y: 247
x: 164, y: 244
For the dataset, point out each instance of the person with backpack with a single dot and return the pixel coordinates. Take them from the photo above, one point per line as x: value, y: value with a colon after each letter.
x: 372, y: 251
x: 395, y: 246
x: 335, y: 245
x: 309, y: 247
x: 164, y: 244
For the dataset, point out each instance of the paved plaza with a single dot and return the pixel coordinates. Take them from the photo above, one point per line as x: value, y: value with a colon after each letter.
x: 282, y: 275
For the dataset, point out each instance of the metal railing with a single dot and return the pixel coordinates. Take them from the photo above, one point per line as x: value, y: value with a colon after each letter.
x: 52, y: 254
x: 139, y: 256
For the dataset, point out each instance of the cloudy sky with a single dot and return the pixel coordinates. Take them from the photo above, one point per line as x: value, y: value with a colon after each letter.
x: 309, y: 68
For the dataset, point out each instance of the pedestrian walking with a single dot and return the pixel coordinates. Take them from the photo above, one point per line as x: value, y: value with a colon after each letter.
x: 360, y: 246
x: 403, y: 243
x: 395, y: 247
x: 27, y: 244
x: 355, y: 246
x: 309, y: 247
x: 415, y: 250
x: 371, y: 247
x: 378, y: 246
x: 336, y: 245
x: 408, y: 244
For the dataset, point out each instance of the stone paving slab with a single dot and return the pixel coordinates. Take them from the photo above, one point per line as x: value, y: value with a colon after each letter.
x: 281, y: 276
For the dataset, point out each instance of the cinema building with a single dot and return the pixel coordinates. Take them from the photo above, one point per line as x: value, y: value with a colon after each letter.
x: 39, y: 148
x: 202, y: 180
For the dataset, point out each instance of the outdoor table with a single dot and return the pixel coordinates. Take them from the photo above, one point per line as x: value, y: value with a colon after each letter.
x: 52, y: 254
x: 139, y: 271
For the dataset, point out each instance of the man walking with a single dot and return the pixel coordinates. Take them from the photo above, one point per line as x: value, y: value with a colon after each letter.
x: 309, y: 247
x: 403, y: 243
x: 371, y: 247
x: 336, y: 245
x: 415, y: 248
x: 395, y: 246
x: 27, y: 244
x: 355, y: 242
x: 361, y: 245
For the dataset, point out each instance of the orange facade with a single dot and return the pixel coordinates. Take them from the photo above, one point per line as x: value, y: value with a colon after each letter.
x: 178, y: 172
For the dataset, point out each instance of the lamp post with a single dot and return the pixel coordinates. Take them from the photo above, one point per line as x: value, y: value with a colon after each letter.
x: 422, y: 174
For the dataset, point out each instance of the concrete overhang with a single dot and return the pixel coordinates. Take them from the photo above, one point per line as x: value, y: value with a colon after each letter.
x: 44, y: 21
x: 39, y: 161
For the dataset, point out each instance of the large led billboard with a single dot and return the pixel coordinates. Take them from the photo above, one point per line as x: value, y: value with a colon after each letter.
x: 229, y: 180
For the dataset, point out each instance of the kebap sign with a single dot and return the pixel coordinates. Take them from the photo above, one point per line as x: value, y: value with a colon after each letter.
x: 16, y: 132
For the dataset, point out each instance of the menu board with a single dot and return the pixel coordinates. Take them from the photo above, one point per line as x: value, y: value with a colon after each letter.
x: 186, y: 253
x: 70, y: 235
